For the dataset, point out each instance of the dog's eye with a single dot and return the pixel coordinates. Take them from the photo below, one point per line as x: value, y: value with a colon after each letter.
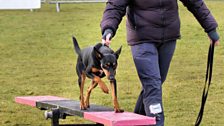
x: 106, y: 66
x: 114, y: 65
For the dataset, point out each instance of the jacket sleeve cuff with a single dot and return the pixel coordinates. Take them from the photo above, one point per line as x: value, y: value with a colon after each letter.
x: 106, y: 32
x: 213, y: 35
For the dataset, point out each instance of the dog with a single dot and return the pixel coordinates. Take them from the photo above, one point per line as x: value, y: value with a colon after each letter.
x: 96, y: 62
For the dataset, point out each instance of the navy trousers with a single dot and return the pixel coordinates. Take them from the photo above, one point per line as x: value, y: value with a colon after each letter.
x: 152, y: 61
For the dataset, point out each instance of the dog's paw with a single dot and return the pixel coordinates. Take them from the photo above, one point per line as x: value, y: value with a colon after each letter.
x: 82, y: 107
x: 87, y: 105
x: 118, y: 110
x: 106, y: 90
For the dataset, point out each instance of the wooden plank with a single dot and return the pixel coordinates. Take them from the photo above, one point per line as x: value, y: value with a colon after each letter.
x: 119, y: 119
x: 96, y: 113
x: 71, y: 107
x: 31, y: 100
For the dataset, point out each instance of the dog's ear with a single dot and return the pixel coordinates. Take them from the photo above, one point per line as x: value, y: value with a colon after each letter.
x: 96, y: 48
x: 118, y: 52
x: 98, y: 54
x: 98, y: 45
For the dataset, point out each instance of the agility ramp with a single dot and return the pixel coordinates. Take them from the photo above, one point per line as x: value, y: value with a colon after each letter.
x: 58, y: 108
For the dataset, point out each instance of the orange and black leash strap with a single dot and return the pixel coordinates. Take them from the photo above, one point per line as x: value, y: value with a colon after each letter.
x: 208, y: 79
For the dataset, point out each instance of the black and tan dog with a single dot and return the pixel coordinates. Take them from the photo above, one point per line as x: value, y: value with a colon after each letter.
x: 96, y: 62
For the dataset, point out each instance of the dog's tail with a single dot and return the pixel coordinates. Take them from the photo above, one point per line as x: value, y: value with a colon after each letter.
x: 76, y: 46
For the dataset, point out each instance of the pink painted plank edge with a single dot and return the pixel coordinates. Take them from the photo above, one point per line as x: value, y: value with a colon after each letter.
x: 31, y: 100
x: 119, y: 119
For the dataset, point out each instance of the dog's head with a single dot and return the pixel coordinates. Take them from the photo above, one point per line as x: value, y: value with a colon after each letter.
x: 108, y: 59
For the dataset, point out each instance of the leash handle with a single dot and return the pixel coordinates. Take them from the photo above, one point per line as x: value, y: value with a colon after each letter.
x: 208, y: 79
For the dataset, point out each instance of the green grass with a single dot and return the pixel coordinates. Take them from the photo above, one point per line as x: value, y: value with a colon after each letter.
x: 37, y: 58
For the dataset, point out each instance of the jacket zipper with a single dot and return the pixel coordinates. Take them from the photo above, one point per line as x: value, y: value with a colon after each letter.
x: 162, y: 9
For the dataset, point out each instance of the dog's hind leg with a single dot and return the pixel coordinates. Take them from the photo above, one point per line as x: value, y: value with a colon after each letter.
x: 113, y: 85
x: 91, y: 87
x: 82, y: 105
x: 80, y: 67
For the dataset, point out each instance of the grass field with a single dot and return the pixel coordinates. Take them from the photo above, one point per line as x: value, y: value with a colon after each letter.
x: 37, y: 58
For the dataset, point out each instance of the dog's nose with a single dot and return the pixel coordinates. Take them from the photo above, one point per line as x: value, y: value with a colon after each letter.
x: 111, y: 78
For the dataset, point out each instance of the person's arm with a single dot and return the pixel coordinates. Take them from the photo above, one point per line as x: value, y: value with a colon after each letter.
x: 204, y: 17
x: 112, y: 16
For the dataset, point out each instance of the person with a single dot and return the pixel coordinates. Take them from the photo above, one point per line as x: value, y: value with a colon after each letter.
x: 153, y: 26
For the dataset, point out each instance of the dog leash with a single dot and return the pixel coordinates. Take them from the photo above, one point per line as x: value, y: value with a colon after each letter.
x: 208, y: 79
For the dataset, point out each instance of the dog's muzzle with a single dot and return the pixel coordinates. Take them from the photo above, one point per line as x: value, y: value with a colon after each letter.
x: 111, y: 78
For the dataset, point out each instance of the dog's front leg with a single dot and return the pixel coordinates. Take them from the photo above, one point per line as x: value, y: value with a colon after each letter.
x: 92, y: 86
x: 89, y: 73
x: 114, y: 96
x: 102, y: 85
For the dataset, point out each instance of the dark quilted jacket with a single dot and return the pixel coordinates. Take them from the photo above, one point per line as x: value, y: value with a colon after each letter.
x: 153, y: 20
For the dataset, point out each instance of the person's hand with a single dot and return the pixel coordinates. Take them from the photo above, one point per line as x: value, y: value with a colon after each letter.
x: 107, y: 36
x: 214, y: 37
x: 216, y: 42
x: 106, y: 40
